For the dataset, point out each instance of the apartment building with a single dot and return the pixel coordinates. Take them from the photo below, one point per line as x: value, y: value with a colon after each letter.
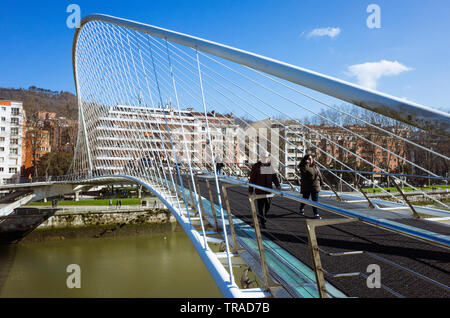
x: 283, y: 139
x: 37, y: 144
x: 62, y: 132
x: 119, y: 137
x: 359, y: 141
x: 288, y: 140
x: 226, y: 136
x: 12, y: 132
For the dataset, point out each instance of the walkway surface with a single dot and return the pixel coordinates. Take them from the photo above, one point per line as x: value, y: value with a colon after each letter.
x: 287, y: 229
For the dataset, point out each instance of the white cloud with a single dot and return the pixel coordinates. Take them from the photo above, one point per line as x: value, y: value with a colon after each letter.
x: 369, y: 73
x: 331, y: 32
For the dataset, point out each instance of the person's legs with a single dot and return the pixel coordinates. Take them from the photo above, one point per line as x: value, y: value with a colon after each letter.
x: 315, y: 197
x: 267, y: 206
x: 261, y: 215
x: 302, y: 205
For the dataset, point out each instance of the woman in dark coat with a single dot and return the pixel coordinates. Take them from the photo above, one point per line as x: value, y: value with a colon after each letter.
x: 311, y: 181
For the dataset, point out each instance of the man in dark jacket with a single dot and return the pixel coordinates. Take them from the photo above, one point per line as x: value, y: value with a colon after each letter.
x: 264, y: 175
x: 219, y: 165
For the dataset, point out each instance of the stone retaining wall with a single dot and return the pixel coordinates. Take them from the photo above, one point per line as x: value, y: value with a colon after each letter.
x: 65, y: 219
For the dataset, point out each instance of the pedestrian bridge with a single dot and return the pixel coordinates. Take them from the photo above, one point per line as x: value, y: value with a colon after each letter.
x: 162, y: 109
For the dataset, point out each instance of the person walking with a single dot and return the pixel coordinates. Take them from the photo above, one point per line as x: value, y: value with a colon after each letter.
x: 219, y: 165
x: 311, y: 182
x: 263, y: 174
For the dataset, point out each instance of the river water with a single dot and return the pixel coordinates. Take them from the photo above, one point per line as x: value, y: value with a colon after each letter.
x: 146, y: 265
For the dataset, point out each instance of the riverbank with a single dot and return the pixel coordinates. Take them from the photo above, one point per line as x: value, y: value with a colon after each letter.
x: 70, y: 223
x: 99, y: 231
x: 39, y: 224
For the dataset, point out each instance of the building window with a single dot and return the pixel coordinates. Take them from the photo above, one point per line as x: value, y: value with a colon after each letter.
x: 2, y: 148
x: 1, y: 169
x: 14, y: 131
x: 2, y: 138
x: 3, y: 118
x: 15, y: 111
x: 14, y: 120
x: 12, y: 170
x: 13, y: 141
x: 2, y: 128
x: 13, y: 151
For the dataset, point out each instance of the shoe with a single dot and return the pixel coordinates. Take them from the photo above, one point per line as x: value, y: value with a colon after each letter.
x: 317, y: 217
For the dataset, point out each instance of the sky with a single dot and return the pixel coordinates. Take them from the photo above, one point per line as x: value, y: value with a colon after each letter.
x: 406, y: 54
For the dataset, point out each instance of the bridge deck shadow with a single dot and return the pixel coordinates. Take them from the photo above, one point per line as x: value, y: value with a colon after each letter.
x: 21, y: 221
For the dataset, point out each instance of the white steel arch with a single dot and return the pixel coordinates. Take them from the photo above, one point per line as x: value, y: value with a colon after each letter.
x: 423, y: 117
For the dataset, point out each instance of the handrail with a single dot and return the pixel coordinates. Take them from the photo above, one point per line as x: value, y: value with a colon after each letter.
x: 332, y: 221
x: 440, y: 240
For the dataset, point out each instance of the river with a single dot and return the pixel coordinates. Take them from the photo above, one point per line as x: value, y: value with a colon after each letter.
x: 162, y: 265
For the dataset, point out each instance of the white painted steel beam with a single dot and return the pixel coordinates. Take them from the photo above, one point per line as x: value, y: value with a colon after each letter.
x: 423, y: 117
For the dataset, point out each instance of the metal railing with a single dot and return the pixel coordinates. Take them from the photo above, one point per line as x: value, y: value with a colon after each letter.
x: 312, y: 241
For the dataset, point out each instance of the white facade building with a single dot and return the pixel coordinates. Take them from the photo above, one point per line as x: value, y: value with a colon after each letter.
x: 12, y: 140
x: 283, y: 139
x: 119, y: 137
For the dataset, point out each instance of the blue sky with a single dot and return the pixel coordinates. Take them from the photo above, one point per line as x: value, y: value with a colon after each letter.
x: 407, y: 57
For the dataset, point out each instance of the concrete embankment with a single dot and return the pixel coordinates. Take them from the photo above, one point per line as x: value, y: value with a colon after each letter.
x: 92, y: 216
x: 90, y: 221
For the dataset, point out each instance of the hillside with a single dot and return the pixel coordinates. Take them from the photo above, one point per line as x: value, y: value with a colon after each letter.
x: 35, y: 99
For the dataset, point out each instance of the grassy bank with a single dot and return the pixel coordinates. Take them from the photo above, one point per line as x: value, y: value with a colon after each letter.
x: 407, y: 189
x: 104, y: 202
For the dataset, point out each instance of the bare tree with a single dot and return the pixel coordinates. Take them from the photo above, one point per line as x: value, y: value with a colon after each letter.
x: 34, y: 135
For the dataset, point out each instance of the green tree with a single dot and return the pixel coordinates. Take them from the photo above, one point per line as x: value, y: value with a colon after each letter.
x: 54, y: 164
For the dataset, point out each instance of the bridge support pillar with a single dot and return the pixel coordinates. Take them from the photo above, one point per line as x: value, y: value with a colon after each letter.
x: 77, y: 195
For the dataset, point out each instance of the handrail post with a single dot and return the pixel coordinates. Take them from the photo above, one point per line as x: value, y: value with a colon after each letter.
x: 338, y: 198
x: 191, y: 196
x: 414, y: 212
x: 312, y: 239
x: 267, y: 281
x: 199, y: 194
x: 213, y: 210
x: 230, y: 218
x: 371, y: 205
